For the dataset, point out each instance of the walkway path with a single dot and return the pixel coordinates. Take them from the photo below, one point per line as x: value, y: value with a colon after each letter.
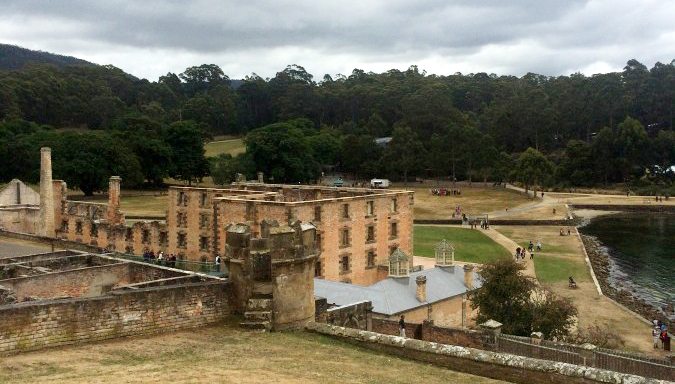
x: 508, y: 244
x: 511, y: 246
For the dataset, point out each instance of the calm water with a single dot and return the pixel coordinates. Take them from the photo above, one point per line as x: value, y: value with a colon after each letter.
x: 641, y: 249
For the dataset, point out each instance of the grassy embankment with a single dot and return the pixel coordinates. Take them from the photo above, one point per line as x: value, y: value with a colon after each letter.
x: 223, y: 354
x: 470, y: 245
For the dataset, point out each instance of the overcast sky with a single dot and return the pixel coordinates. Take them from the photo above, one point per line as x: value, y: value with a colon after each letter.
x: 149, y: 38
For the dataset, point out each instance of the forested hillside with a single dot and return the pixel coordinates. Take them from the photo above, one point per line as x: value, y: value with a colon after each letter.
x: 554, y: 131
x: 13, y: 57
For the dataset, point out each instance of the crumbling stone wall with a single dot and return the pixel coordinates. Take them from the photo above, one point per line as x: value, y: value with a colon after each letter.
x: 84, y: 282
x: 30, y: 326
x: 7, y: 296
x: 501, y: 366
x: 357, y: 315
x: 90, y: 281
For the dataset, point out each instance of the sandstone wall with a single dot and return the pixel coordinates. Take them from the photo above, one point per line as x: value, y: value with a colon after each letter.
x: 30, y: 326
x: 88, y: 282
x: 499, y: 366
x: 85, y: 282
x: 429, y: 332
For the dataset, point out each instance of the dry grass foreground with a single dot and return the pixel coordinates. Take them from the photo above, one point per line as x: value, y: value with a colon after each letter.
x: 222, y: 354
x: 561, y: 257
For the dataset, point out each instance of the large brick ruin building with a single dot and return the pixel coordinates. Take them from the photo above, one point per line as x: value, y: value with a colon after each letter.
x: 357, y: 229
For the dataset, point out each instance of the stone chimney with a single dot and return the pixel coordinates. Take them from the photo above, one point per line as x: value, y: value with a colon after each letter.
x: 468, y: 276
x: 114, y: 216
x: 46, y: 194
x: 421, y: 293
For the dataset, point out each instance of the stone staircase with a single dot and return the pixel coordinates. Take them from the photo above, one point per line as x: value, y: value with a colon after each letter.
x: 258, y: 314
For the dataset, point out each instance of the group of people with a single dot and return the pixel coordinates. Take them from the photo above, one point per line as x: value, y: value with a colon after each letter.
x: 660, y: 333
x: 562, y: 232
x: 161, y: 259
x: 445, y: 192
x: 522, y: 252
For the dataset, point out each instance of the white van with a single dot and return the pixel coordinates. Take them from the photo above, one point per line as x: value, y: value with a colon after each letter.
x: 379, y: 183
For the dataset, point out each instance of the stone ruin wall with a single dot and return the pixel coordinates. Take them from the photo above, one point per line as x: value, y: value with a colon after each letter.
x: 67, y: 297
x: 197, y: 217
x: 29, y: 326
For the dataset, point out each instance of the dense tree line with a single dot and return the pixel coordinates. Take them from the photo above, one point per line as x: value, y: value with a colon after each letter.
x: 582, y: 130
x: 138, y: 149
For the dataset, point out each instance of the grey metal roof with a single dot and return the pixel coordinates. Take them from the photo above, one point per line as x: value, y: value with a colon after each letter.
x: 397, y: 294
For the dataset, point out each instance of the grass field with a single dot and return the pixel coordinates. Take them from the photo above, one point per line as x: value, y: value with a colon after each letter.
x: 474, y: 200
x: 222, y: 354
x: 470, y: 245
x: 231, y: 146
x: 144, y: 205
x: 559, y: 257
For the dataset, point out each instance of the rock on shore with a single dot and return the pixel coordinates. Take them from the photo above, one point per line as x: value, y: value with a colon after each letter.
x: 600, y: 262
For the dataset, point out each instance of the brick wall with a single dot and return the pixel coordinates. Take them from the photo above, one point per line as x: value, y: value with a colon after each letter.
x: 88, y: 282
x: 30, y: 326
x: 91, y: 281
x: 429, y: 332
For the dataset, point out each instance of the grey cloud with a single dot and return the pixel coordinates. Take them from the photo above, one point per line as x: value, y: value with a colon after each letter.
x: 560, y: 34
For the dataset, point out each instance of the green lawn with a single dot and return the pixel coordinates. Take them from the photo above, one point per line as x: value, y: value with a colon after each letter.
x: 231, y: 146
x: 552, y: 269
x: 470, y: 245
x: 144, y: 205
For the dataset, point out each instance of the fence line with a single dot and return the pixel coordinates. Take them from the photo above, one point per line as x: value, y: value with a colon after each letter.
x: 610, y: 359
x: 187, y: 265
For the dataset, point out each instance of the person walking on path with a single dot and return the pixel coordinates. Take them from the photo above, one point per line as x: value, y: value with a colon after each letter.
x: 532, y: 255
x: 538, y: 245
x: 530, y: 246
x: 401, y: 326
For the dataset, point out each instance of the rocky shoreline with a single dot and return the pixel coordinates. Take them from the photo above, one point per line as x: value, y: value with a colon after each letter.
x: 600, y: 262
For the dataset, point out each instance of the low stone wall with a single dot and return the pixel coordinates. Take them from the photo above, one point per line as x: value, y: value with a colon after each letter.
x: 500, y: 366
x: 626, y: 207
x: 501, y: 222
x: 600, y: 263
x: 29, y: 326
